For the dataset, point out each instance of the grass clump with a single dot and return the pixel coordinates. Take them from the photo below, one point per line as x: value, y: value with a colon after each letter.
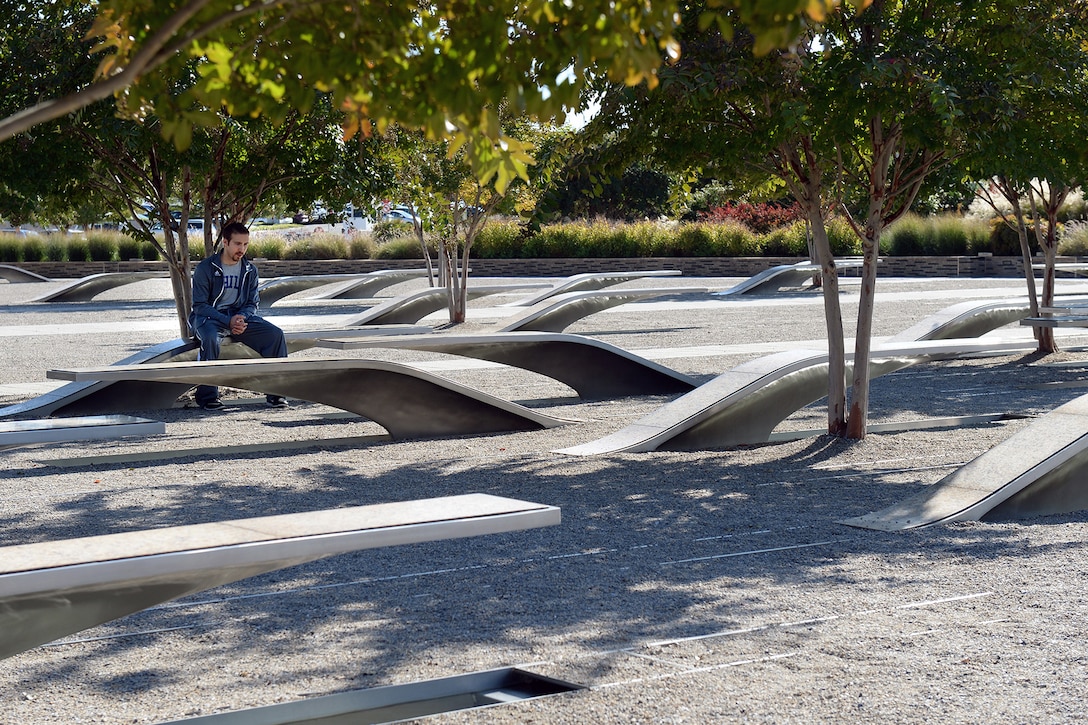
x: 267, y: 246
x: 499, y: 240
x: 1074, y: 239
x: 318, y: 246
x: 361, y: 246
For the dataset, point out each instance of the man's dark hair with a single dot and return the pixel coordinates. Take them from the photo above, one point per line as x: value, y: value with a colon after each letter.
x: 234, y: 228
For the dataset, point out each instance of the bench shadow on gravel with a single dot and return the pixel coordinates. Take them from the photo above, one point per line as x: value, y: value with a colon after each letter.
x: 651, y: 547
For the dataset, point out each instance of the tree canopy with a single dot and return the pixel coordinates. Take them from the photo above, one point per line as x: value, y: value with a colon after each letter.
x: 445, y: 68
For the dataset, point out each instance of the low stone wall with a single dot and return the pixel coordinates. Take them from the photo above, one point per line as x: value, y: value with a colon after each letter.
x: 690, y: 266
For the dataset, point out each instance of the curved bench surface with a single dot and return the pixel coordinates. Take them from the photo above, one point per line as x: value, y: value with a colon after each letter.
x: 88, y: 287
x: 966, y: 319
x: 744, y: 405
x: 775, y: 278
x: 591, y: 281
x: 55, y: 588
x: 1039, y: 470
x: 556, y: 313
x: 369, y: 284
x: 275, y: 289
x: 595, y: 369
x: 82, y: 428
x: 18, y: 274
x: 407, y: 402
x: 415, y: 306
x: 94, y: 397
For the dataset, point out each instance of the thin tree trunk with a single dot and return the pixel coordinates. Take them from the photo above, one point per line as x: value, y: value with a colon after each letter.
x: 858, y: 420
x: 884, y: 144
x: 805, y: 181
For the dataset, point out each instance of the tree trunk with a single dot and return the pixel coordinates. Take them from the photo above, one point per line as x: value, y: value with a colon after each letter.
x: 858, y: 420
x: 836, y: 344
x: 805, y: 180
x: 1052, y: 202
x: 884, y: 143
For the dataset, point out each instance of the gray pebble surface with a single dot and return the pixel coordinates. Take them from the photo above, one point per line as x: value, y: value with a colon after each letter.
x: 681, y: 587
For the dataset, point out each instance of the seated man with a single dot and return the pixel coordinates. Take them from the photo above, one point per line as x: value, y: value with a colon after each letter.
x: 225, y: 303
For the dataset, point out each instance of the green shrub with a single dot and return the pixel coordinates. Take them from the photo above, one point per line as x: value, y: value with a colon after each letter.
x: 33, y: 249
x: 734, y: 240
x: 843, y: 241
x: 791, y: 241
x: 906, y: 238
x: 499, y: 240
x: 148, y: 252
x: 401, y: 248
x: 1005, y: 241
x: 692, y: 240
x: 267, y: 247
x: 128, y: 248
x: 609, y: 240
x: 102, y: 247
x: 11, y: 248
x: 939, y: 235
x: 649, y: 237
x: 361, y: 246
x: 79, y: 250
x: 1074, y: 240
x: 555, y: 241
x: 318, y: 246
x: 389, y: 230
x: 56, y: 249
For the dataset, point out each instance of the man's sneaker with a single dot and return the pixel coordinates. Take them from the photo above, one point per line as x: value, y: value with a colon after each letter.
x: 277, y: 401
x: 216, y: 404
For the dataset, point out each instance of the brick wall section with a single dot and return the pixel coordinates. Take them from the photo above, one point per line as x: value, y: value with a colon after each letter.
x: 690, y: 266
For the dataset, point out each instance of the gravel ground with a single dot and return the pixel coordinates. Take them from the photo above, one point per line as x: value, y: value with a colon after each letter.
x: 681, y: 587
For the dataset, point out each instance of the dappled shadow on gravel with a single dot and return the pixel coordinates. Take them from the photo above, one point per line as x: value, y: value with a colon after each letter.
x: 652, y: 547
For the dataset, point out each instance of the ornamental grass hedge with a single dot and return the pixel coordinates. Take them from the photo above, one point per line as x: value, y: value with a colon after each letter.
x: 939, y: 235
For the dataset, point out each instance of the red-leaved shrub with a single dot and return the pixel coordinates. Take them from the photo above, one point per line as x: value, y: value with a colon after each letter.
x: 760, y: 218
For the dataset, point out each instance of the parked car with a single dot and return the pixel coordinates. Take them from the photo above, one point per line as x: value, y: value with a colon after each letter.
x: 399, y: 215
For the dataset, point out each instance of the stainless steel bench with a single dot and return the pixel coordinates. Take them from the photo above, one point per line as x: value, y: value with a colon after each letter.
x: 781, y: 276
x: 595, y: 369
x: 348, y: 286
x: 92, y: 397
x: 406, y: 401
x: 18, y: 274
x: 744, y: 405
x: 415, y: 306
x: 1039, y: 470
x: 555, y: 313
x: 52, y: 589
x: 83, y: 428
x: 591, y: 281
x: 88, y: 287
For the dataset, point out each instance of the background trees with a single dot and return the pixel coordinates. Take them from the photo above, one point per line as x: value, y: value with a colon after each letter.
x: 853, y: 118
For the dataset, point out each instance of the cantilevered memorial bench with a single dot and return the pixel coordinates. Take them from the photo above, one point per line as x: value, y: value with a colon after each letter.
x: 966, y: 319
x: 1076, y: 269
x: 93, y: 397
x: 15, y: 433
x: 87, y: 288
x: 595, y: 369
x: 555, y: 313
x: 52, y: 589
x: 782, y: 276
x: 1052, y: 320
x: 415, y: 306
x: 745, y: 404
x: 1039, y: 470
x: 347, y: 286
x: 407, y: 402
x: 591, y: 281
x: 18, y: 274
